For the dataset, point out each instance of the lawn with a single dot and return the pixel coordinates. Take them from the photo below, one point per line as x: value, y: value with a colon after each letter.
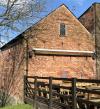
x: 20, y: 106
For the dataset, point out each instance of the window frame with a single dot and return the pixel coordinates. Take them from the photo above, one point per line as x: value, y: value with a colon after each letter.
x: 62, y: 30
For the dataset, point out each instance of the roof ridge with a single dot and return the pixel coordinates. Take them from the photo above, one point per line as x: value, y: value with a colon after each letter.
x: 88, y: 8
x: 20, y: 35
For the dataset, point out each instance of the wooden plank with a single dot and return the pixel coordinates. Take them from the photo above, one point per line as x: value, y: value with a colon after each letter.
x: 66, y: 79
x: 63, y: 105
x: 88, y: 102
x: 50, y: 93
x: 74, y: 102
x: 35, y: 92
x: 62, y: 95
x: 65, y: 87
x: 43, y: 100
x: 88, y: 91
x: 88, y: 80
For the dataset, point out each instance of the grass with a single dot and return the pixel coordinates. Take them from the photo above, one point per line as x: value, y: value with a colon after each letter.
x: 19, y: 106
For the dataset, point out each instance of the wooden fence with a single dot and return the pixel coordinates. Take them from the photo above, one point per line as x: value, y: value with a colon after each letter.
x: 62, y: 93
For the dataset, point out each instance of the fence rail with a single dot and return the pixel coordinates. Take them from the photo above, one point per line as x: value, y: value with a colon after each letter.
x: 68, y: 94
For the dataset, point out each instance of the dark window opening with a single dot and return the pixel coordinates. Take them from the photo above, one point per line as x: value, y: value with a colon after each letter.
x: 62, y: 29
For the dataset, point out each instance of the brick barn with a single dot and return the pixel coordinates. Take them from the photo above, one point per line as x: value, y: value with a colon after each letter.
x: 58, y: 45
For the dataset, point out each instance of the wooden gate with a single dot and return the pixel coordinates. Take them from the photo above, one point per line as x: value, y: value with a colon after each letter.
x: 62, y: 93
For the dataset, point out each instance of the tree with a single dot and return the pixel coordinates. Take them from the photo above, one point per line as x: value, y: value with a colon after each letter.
x: 14, y: 13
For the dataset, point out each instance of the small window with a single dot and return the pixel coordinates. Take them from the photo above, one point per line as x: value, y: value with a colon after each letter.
x: 62, y: 29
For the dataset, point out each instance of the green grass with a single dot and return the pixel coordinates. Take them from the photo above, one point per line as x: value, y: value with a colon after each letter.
x: 19, y: 106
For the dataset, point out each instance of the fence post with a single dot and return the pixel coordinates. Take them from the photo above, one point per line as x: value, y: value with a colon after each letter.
x: 50, y: 92
x: 25, y: 86
x: 35, y: 92
x: 74, y: 100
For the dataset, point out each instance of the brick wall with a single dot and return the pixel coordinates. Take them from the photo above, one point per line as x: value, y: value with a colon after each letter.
x: 90, y: 19
x: 12, y: 70
x: 45, y: 34
x: 77, y: 38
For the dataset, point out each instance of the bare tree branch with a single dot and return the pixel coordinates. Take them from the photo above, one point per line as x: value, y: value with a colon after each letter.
x: 14, y: 11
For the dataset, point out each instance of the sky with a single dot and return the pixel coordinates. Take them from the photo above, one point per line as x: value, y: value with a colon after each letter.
x: 77, y: 7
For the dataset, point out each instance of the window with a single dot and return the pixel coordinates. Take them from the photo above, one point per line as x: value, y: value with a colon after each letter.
x: 62, y: 29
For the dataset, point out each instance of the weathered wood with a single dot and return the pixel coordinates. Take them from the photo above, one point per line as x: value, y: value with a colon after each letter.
x: 50, y: 93
x: 74, y: 102
x: 35, y: 91
x: 88, y: 81
x: 89, y: 91
x: 25, y: 91
x: 55, y: 96
x: 92, y: 102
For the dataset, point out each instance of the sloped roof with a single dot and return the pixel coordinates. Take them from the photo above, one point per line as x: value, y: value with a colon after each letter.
x: 21, y: 36
x: 7, y: 45
x: 88, y: 9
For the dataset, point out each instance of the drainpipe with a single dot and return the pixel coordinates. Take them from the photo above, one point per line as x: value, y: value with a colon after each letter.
x: 95, y: 39
x: 27, y: 60
x: 97, y: 44
x: 26, y: 55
